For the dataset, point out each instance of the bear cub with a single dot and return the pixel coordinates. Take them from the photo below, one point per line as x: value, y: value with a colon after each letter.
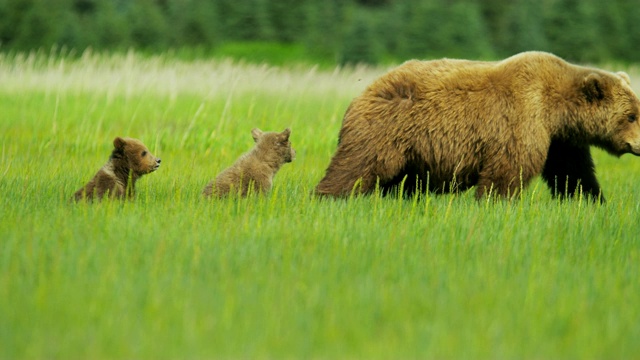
x: 254, y: 171
x: 129, y: 160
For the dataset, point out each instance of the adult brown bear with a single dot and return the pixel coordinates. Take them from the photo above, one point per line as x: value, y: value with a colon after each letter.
x: 448, y: 125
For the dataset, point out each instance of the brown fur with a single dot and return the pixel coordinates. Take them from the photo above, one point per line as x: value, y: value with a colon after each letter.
x: 449, y: 125
x: 129, y: 160
x: 254, y: 171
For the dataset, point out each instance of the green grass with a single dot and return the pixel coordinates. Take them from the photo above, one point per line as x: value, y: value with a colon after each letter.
x: 171, y: 275
x: 261, y: 52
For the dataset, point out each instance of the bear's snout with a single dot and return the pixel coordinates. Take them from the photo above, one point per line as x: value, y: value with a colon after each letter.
x: 634, y: 148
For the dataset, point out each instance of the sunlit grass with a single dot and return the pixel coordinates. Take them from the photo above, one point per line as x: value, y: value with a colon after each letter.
x: 172, y: 275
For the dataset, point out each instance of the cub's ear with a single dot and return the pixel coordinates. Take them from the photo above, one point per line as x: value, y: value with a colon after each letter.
x: 593, y: 87
x: 256, y: 133
x: 624, y: 77
x: 285, y: 134
x: 118, y: 143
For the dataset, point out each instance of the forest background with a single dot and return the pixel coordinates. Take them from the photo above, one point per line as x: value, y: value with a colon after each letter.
x: 328, y: 31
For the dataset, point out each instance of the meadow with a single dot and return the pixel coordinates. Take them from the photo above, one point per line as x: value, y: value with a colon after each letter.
x: 286, y: 275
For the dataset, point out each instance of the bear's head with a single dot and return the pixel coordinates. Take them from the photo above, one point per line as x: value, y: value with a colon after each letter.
x: 613, y: 103
x: 135, y: 155
x: 277, y: 145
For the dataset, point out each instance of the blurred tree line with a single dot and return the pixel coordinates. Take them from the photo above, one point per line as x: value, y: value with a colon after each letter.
x: 344, y: 31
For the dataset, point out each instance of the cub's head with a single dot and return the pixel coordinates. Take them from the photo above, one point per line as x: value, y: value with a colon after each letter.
x: 276, y: 145
x: 139, y: 159
x: 610, y: 97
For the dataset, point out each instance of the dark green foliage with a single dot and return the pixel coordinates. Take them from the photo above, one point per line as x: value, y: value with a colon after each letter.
x: 522, y: 28
x: 438, y: 28
x: 192, y: 23
x: 573, y: 30
x: 629, y: 50
x: 110, y: 26
x: 149, y: 28
x: 466, y: 30
x: 245, y: 19
x: 614, y: 32
x: 37, y: 23
x: 360, y: 44
x: 324, y: 27
x: 345, y: 31
x: 288, y: 19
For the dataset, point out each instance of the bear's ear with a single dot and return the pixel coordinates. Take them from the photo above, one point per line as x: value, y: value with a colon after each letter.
x: 256, y: 133
x: 593, y: 87
x: 624, y: 77
x: 285, y: 134
x: 118, y: 143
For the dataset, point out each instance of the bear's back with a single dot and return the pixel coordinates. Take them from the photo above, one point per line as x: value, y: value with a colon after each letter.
x: 415, y: 79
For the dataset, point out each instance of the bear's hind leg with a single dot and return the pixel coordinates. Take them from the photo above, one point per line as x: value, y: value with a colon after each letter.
x: 570, y: 169
x: 347, y: 173
x: 359, y: 172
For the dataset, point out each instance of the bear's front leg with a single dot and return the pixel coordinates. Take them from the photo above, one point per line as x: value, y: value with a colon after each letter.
x: 569, y: 169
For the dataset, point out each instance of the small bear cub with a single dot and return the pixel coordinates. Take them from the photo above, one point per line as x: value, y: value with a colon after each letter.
x: 254, y: 171
x: 129, y: 160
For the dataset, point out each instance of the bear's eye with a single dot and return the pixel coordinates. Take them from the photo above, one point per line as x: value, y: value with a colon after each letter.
x: 632, y: 118
x: 144, y: 153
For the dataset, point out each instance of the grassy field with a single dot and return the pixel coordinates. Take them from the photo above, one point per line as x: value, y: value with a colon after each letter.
x: 170, y: 275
